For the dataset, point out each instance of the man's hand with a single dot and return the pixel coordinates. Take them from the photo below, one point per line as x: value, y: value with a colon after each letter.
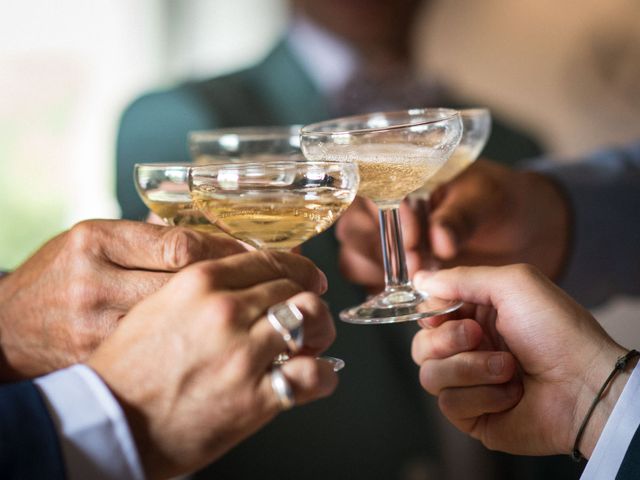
x: 491, y: 215
x: 58, y: 306
x: 518, y: 366
x: 190, y: 364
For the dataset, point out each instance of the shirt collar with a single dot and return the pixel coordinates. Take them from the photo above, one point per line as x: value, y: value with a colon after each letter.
x: 329, y: 61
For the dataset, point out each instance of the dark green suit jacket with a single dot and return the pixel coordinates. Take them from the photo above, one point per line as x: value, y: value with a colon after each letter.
x: 377, y: 425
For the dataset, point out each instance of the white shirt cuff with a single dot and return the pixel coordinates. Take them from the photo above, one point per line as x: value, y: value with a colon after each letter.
x: 617, y: 433
x: 95, y: 438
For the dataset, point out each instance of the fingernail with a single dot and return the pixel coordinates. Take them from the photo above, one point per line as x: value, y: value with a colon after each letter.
x: 496, y: 364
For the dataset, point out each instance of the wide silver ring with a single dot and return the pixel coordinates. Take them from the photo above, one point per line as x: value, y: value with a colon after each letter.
x: 282, y: 389
x: 287, y: 320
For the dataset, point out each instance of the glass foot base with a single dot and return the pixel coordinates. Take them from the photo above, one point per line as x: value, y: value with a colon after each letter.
x: 396, y: 306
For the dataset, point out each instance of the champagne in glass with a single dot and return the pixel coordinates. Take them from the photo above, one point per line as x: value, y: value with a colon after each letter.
x: 396, y: 152
x: 164, y: 189
x: 274, y: 205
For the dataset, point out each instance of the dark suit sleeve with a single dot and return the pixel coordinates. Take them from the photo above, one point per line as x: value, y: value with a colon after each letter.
x: 604, y: 193
x: 630, y: 468
x: 29, y: 447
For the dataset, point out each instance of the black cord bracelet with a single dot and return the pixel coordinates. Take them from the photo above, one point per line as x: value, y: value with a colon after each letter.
x: 620, y: 365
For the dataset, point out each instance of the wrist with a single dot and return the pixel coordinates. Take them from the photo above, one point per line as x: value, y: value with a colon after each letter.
x: 598, y: 372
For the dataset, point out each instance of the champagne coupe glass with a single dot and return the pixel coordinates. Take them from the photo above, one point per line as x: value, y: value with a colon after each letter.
x: 164, y: 188
x: 274, y: 204
x: 256, y: 186
x: 396, y: 153
x: 476, y: 124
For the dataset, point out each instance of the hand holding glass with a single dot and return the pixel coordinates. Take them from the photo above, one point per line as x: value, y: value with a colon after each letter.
x: 259, y: 188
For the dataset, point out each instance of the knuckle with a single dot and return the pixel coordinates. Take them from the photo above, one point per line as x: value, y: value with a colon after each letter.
x: 287, y: 265
x: 428, y: 378
x: 272, y: 261
x: 463, y: 368
x: 525, y: 272
x: 447, y: 404
x: 198, y: 277
x: 81, y: 236
x: 242, y: 362
x: 179, y: 248
x: 443, y: 341
x: 291, y: 286
x: 226, y: 309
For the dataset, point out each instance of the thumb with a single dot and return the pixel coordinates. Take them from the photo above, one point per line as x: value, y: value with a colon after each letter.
x: 477, y: 285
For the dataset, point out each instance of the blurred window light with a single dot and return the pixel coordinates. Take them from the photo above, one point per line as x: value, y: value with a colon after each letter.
x: 69, y: 68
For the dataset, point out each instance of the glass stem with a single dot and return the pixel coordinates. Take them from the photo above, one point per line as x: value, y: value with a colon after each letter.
x: 395, y: 264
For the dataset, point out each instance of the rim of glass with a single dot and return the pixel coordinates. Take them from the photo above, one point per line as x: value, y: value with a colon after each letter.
x: 312, y: 129
x: 181, y: 165
x: 475, y: 111
x: 268, y: 164
x: 246, y: 133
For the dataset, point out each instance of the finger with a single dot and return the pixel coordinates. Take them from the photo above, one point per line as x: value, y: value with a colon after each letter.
x: 480, y: 285
x: 467, y: 369
x: 475, y: 257
x: 467, y: 310
x: 318, y: 329
x: 137, y: 245
x: 448, y: 339
x: 358, y: 228
x: 255, y: 301
x: 252, y: 268
x: 310, y: 379
x: 361, y: 269
x: 463, y: 406
x: 414, y: 221
x: 470, y: 202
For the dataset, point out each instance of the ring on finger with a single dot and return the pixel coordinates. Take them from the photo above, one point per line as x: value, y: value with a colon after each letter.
x: 282, y: 388
x: 287, y: 320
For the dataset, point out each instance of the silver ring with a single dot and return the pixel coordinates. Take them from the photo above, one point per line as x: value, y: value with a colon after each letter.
x: 287, y: 320
x: 282, y: 389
